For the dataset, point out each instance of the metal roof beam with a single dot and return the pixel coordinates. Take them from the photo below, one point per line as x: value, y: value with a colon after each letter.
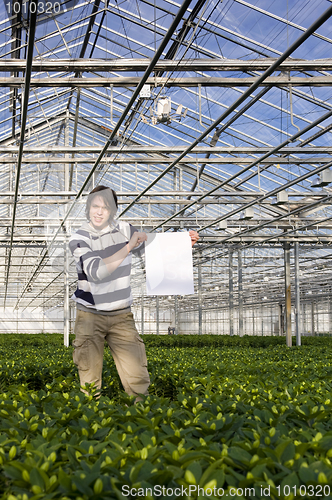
x: 46, y: 200
x: 141, y: 149
x: 160, y: 161
x: 129, y: 81
x: 118, y: 65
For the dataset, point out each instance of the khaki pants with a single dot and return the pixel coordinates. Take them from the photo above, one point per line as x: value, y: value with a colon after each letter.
x: 126, y: 346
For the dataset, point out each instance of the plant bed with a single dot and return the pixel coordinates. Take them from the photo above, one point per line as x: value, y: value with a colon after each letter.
x: 249, y: 422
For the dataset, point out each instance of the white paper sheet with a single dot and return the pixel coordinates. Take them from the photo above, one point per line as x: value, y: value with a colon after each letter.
x: 168, y: 263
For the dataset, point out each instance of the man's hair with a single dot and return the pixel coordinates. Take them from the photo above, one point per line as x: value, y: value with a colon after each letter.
x: 108, y: 195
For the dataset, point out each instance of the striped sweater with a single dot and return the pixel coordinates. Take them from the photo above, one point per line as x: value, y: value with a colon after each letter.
x: 97, y: 289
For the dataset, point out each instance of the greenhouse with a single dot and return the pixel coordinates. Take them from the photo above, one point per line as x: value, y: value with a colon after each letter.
x: 205, y: 117
x: 216, y: 118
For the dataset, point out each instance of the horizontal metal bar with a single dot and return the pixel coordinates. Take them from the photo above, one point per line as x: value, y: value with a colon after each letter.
x: 147, y: 224
x: 105, y: 65
x: 211, y: 239
x: 128, y: 81
x: 158, y: 160
x: 161, y: 150
x: 290, y: 222
x: 278, y: 239
x: 174, y: 201
x: 171, y: 193
x: 151, y: 193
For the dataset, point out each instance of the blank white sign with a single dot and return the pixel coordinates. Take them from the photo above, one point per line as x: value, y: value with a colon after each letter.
x: 169, y: 264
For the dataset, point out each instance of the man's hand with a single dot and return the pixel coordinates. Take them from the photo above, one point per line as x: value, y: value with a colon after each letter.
x: 136, y: 239
x: 194, y: 237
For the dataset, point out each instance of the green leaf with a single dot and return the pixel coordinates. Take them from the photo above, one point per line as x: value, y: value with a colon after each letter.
x: 12, y: 471
x: 210, y: 470
x: 37, y: 478
x: 196, y: 469
x: 239, y: 455
x: 134, y: 471
x: 307, y: 475
x: 285, y: 451
x: 290, y: 480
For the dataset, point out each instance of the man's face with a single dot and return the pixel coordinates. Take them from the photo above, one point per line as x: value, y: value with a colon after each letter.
x: 99, y: 213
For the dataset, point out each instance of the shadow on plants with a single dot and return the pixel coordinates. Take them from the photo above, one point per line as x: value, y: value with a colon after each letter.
x: 164, y: 387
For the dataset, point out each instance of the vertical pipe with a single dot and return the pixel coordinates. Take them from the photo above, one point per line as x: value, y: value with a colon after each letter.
x: 175, y: 177
x: 288, y: 302
x: 176, y: 314
x: 157, y: 314
x: 262, y: 320
x: 180, y: 187
x: 240, y: 290
x: 253, y: 320
x: 297, y: 295
x: 313, y: 318
x: 281, y: 323
x: 304, y: 316
x: 200, y: 295
x: 317, y: 322
x: 231, y: 285
x: 66, y: 311
x: 111, y: 106
x: 180, y: 179
x: 330, y: 313
x: 66, y: 165
x: 142, y: 311
x: 78, y: 97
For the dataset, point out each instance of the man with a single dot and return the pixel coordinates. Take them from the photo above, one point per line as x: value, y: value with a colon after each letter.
x: 102, y: 249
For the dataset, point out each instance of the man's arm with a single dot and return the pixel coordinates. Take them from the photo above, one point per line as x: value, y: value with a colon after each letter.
x: 93, y: 266
x: 194, y: 236
x: 116, y: 259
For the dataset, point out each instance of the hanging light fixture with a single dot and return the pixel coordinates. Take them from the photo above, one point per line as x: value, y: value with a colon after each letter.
x: 247, y: 214
x: 280, y: 199
x: 323, y: 179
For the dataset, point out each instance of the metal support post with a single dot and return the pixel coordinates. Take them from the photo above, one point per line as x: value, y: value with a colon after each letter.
x: 281, y: 321
x: 175, y: 179
x: 313, y: 318
x: 142, y: 311
x: 231, y: 297
x: 240, y: 290
x: 330, y: 312
x: 288, y: 303
x: 262, y: 320
x: 200, y: 295
x: 317, y: 304
x: 176, y: 314
x: 298, y: 324
x: 157, y: 314
x: 66, y: 165
x: 66, y: 310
